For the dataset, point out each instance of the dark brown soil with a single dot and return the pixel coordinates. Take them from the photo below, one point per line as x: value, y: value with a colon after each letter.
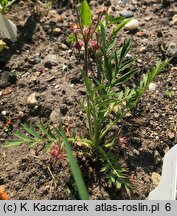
x: 42, y: 61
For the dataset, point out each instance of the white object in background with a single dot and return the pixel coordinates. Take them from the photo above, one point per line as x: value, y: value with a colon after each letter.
x: 7, y: 28
x: 167, y: 189
x: 132, y: 25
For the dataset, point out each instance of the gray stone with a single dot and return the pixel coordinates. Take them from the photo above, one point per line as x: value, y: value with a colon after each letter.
x: 126, y: 14
x: 51, y: 60
x: 125, y: 1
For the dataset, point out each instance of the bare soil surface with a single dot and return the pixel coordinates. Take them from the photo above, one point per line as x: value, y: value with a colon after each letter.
x: 42, y: 62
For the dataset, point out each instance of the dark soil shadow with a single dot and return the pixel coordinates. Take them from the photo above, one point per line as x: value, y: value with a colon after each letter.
x: 25, y: 37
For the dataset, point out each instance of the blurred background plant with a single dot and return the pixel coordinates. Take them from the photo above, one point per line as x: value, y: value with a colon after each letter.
x: 110, y: 90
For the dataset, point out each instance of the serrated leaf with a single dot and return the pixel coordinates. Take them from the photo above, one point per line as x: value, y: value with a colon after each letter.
x: 85, y: 14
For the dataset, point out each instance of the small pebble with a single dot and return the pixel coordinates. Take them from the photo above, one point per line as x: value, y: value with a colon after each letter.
x: 148, y: 18
x: 132, y: 25
x: 129, y: 56
x: 32, y: 101
x: 21, y: 114
x: 63, y: 46
x: 171, y: 135
x: 55, y: 117
x: 57, y: 31
x: 126, y: 14
x: 4, y: 112
x: 143, y: 49
x: 152, y: 87
x: 172, y: 50
x: 157, y: 138
x: 174, y: 20
x: 37, y: 58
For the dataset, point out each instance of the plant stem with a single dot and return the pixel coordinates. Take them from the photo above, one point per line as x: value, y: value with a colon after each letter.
x: 86, y: 73
x: 86, y: 58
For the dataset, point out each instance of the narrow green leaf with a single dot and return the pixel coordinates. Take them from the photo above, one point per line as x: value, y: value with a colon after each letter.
x: 23, y: 136
x: 124, y: 77
x: 13, y: 143
x: 30, y: 129
x: 46, y: 131
x: 115, y: 20
x: 80, y: 184
x: 119, y: 27
x: 85, y: 14
x: 125, y: 49
x: 33, y: 144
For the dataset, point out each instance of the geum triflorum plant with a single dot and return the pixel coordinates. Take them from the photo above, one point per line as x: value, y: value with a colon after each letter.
x: 109, y: 97
x: 110, y: 93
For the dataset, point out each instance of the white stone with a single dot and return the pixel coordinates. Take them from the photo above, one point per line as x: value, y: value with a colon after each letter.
x: 132, y: 25
x: 4, y: 112
x: 32, y: 101
x: 152, y: 86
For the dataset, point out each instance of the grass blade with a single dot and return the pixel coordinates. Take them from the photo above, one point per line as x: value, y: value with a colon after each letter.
x: 80, y: 184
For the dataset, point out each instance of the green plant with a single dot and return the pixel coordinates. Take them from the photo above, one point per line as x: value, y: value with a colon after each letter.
x: 111, y: 93
x: 5, y: 5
